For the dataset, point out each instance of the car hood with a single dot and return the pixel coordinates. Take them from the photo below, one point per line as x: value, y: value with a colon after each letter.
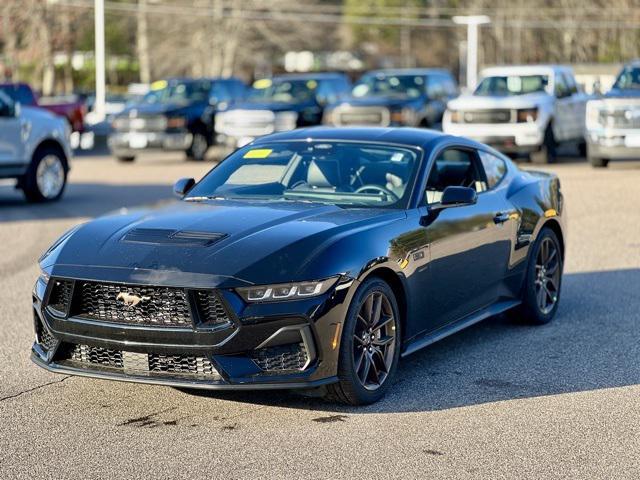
x: 622, y: 93
x: 481, y: 102
x: 39, y: 113
x: 259, y: 243
x: 390, y: 101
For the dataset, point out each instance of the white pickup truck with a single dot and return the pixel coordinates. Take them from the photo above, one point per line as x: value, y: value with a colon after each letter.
x: 34, y: 149
x: 522, y: 110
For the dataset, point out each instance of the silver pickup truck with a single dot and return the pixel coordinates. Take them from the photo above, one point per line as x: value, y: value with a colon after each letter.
x: 34, y: 149
x: 522, y: 110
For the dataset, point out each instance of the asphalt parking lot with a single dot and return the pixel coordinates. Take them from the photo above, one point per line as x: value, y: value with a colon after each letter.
x: 499, y: 400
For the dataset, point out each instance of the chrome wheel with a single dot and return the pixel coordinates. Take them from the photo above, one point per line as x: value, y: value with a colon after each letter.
x: 374, y: 341
x: 547, y: 280
x: 50, y: 176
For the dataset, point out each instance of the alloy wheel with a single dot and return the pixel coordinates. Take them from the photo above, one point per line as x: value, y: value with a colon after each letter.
x: 374, y: 341
x: 547, y: 280
x: 50, y: 176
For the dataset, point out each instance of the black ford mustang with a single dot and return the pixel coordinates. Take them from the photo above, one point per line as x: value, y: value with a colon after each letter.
x: 312, y: 258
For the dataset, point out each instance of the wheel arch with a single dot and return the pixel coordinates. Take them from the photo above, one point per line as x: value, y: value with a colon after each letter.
x: 554, y: 225
x: 50, y: 143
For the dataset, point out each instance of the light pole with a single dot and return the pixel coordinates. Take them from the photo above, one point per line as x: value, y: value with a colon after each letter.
x: 472, y: 22
x: 99, y: 108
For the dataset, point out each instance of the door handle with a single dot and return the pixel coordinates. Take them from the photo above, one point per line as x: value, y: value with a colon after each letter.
x: 501, y: 217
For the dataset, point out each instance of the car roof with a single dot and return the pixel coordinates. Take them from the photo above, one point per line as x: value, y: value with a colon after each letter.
x: 309, y: 76
x: 524, y: 69
x: 411, y: 137
x: 408, y: 71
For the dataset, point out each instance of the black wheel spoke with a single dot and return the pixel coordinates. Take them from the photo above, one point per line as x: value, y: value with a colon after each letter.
x: 377, y: 310
x: 358, y: 339
x: 364, y: 375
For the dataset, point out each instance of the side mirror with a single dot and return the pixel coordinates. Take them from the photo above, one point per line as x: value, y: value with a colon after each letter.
x: 458, y: 197
x: 182, y: 186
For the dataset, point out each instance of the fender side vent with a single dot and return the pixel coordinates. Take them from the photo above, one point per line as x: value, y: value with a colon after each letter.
x: 184, y: 238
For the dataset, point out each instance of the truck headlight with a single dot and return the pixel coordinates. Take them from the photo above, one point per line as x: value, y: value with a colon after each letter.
x: 454, y: 116
x: 406, y: 116
x: 176, y: 122
x: 286, y: 291
x: 527, y: 115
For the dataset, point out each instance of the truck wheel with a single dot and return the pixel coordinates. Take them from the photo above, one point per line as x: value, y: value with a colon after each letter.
x: 582, y: 149
x: 126, y: 159
x: 46, y: 177
x: 597, y: 162
x: 547, y: 152
x: 199, y: 146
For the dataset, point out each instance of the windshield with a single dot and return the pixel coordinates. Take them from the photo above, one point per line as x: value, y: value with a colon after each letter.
x: 512, y: 85
x: 178, y: 92
x: 411, y: 86
x: 340, y: 173
x: 628, y: 78
x: 288, y: 91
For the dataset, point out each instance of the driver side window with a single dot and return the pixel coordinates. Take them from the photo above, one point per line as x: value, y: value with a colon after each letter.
x: 454, y: 167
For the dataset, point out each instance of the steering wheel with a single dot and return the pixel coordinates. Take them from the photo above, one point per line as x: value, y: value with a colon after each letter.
x: 370, y: 188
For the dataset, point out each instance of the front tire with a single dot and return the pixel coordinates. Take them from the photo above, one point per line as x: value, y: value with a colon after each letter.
x: 370, y: 346
x: 46, y: 177
x: 547, y: 152
x: 126, y: 158
x: 543, y: 280
x: 597, y: 162
x: 199, y: 146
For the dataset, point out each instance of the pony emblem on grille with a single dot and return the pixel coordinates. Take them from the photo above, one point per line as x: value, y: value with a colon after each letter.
x: 131, y: 300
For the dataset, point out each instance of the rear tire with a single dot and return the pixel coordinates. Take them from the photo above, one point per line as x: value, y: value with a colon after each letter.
x: 597, y: 162
x: 370, y: 346
x: 126, y: 159
x: 46, y: 177
x: 543, y: 281
x: 547, y: 153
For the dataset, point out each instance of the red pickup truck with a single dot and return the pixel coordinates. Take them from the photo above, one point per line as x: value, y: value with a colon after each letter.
x: 71, y: 107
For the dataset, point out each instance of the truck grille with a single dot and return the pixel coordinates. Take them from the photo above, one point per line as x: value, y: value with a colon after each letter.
x: 245, y: 123
x: 142, y: 363
x: 620, y: 118
x: 134, y: 305
x: 281, y: 358
x: 362, y: 116
x: 152, y: 123
x: 487, y: 116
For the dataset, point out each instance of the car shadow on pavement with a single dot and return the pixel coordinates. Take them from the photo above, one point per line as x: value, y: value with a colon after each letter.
x: 594, y: 343
x: 82, y: 200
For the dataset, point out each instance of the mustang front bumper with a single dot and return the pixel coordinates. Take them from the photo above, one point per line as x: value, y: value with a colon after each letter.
x: 292, y: 344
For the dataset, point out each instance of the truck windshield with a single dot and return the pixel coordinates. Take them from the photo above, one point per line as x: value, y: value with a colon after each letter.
x: 411, y: 86
x: 19, y: 93
x: 332, y: 172
x: 628, y: 78
x: 288, y: 91
x: 178, y: 92
x: 512, y: 85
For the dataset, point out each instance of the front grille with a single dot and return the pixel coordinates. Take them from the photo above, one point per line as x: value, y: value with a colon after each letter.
x: 60, y: 297
x: 362, y: 116
x: 281, y: 358
x: 141, y: 363
x: 133, y: 305
x: 105, y: 357
x: 620, y: 118
x: 210, y: 308
x: 250, y: 123
x: 487, y: 116
x: 154, y: 123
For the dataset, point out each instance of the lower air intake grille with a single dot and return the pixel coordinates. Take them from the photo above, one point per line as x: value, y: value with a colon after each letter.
x: 132, y: 304
x: 281, y: 358
x: 210, y: 308
x: 97, y: 355
x: 43, y: 336
x: 180, y: 364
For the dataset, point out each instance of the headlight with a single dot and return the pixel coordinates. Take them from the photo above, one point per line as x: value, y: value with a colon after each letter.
x: 593, y: 114
x: 44, y: 276
x: 406, y: 116
x: 454, y: 116
x: 286, y: 291
x: 176, y: 122
x: 285, y: 121
x: 527, y: 115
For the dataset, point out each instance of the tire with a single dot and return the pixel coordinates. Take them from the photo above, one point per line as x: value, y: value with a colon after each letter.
x: 597, y: 162
x: 199, y: 146
x: 126, y: 159
x: 46, y: 177
x: 531, y: 309
x: 355, y: 357
x: 582, y: 149
x: 547, y: 153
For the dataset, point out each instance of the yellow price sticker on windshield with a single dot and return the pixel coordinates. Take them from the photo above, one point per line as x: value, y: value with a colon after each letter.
x: 262, y: 83
x: 159, y: 85
x: 258, y: 153
x: 311, y: 84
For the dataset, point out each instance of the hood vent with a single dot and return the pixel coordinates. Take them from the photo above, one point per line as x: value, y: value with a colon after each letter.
x: 184, y: 238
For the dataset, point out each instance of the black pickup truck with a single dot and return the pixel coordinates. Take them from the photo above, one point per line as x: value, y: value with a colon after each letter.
x: 281, y: 103
x: 177, y: 114
x: 400, y: 97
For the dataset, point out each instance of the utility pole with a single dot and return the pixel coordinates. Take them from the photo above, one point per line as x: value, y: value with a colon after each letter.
x: 472, y: 22
x: 100, y: 60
